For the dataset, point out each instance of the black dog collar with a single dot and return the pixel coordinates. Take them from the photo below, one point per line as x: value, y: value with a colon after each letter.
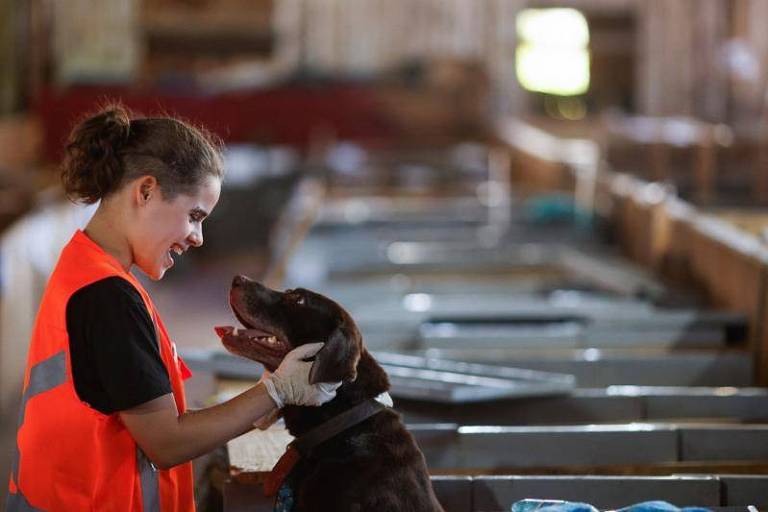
x: 336, y: 425
x: 301, y: 446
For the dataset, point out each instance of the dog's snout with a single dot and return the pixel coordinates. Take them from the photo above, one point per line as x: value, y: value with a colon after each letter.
x: 239, y: 281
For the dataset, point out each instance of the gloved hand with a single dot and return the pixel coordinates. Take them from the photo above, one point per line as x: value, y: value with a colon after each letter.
x: 289, y: 385
x: 272, y: 416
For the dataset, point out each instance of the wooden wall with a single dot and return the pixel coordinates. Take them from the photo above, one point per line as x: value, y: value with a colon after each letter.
x: 725, y: 265
x: 684, y: 50
x: 749, y: 86
x: 678, y: 50
x: 680, y: 46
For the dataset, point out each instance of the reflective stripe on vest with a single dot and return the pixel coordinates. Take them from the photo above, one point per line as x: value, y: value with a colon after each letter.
x: 44, y: 376
x: 150, y: 487
x: 47, y: 375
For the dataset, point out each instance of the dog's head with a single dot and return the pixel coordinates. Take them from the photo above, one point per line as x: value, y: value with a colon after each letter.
x: 276, y: 322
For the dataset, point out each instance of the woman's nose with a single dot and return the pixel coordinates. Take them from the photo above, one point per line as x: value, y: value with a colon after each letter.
x: 195, y: 238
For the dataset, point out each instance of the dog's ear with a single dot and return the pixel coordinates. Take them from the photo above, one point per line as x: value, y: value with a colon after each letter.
x: 337, y: 360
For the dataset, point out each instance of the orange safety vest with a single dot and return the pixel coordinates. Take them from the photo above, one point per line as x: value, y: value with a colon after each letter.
x: 70, y: 456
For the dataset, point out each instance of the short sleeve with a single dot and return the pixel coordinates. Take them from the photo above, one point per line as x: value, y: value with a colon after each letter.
x: 116, y: 362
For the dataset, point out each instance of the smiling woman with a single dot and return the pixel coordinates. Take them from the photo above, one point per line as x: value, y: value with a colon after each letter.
x: 158, y: 178
x: 104, y: 402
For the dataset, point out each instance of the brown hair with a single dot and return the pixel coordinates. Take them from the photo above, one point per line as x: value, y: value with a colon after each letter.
x: 112, y: 148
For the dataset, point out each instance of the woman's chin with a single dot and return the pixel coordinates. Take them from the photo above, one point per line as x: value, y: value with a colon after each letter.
x: 154, y: 272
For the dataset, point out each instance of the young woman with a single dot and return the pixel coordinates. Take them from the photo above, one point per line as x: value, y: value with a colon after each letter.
x: 103, y: 421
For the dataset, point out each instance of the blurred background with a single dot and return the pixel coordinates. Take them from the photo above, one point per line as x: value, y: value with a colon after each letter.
x: 480, y: 181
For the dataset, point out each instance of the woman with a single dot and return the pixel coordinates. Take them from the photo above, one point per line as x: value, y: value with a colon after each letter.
x: 103, y: 422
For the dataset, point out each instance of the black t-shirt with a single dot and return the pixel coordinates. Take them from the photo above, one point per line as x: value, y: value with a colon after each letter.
x: 116, y: 363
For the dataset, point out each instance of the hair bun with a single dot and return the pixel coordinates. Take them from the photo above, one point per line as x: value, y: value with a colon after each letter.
x: 116, y: 125
x: 93, y: 166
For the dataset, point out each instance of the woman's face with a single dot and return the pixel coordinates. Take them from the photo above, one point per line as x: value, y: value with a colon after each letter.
x: 171, y: 227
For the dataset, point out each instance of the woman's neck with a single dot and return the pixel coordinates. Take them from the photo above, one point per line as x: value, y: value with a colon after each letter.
x: 107, y: 231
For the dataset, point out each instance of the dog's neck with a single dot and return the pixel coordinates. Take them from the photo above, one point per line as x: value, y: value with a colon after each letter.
x: 371, y: 381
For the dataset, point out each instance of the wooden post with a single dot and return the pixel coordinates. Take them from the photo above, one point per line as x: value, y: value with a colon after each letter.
x: 761, y: 167
x: 9, y: 66
x: 704, y: 166
x: 760, y: 348
x: 659, y: 156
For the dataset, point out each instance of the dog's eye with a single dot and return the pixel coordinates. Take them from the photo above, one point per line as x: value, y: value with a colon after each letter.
x: 295, y: 297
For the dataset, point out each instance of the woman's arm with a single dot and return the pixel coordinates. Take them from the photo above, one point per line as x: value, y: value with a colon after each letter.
x: 169, y: 438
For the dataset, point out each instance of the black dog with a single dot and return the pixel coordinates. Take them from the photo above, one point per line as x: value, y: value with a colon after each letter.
x: 374, y: 465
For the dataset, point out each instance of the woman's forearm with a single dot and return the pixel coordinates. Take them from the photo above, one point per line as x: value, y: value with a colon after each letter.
x: 204, y: 431
x: 169, y: 438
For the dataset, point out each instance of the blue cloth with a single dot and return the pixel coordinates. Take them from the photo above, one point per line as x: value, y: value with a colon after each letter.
x: 568, y: 506
x: 284, y: 500
x: 551, y: 506
x: 660, y: 506
x: 555, y: 209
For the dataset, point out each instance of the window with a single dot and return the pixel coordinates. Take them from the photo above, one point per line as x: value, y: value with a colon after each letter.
x: 552, y: 54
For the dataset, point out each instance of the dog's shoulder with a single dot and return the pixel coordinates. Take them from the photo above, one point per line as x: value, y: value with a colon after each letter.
x: 376, y: 465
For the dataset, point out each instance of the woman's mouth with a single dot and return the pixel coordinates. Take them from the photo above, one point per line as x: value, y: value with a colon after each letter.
x: 175, y: 248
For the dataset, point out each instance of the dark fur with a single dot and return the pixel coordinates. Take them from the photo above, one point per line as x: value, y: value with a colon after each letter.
x: 373, y: 466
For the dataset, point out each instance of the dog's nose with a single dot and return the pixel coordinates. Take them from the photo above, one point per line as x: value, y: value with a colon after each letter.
x: 239, y: 281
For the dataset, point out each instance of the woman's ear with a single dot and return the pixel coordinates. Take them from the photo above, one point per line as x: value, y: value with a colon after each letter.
x: 337, y: 360
x: 144, y: 188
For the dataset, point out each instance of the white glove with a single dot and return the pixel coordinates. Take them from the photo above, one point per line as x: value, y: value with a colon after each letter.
x: 272, y: 416
x: 289, y: 385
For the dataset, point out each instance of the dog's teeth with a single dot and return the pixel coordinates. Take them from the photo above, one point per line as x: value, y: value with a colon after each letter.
x: 271, y: 340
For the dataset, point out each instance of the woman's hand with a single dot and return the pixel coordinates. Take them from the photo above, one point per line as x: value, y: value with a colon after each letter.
x: 289, y: 385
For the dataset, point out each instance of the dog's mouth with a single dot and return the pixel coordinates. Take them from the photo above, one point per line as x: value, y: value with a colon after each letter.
x: 255, y: 342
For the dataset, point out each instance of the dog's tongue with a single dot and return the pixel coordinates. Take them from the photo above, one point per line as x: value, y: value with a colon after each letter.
x: 224, y: 330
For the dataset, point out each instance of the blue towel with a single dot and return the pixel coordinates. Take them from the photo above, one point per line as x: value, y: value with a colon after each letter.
x: 569, y: 506
x: 551, y: 506
x: 660, y: 506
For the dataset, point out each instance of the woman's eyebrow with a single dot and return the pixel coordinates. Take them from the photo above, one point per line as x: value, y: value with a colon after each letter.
x: 199, y: 211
